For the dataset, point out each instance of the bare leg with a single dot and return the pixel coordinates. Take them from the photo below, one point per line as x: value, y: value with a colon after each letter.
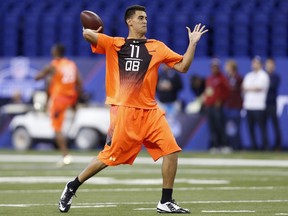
x: 92, y: 169
x: 61, y: 143
x: 169, y: 169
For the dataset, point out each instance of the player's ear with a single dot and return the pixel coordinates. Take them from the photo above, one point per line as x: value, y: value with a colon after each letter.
x: 129, y: 21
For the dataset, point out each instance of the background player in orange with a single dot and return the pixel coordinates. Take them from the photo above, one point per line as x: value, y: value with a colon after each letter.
x: 64, y: 88
x: 131, y: 77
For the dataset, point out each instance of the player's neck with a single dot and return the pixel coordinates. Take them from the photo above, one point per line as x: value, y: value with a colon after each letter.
x: 133, y: 35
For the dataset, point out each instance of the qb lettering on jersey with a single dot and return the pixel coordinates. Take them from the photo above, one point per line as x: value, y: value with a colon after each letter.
x: 133, y: 63
x: 133, y: 60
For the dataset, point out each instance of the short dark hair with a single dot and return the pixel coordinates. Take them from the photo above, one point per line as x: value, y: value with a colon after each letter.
x: 130, y: 11
x: 60, y: 48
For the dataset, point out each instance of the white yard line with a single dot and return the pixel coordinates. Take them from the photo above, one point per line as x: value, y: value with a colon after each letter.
x: 114, y: 190
x: 228, y: 211
x: 94, y: 206
x: 32, y: 205
x: 112, y: 204
x: 148, y: 160
x: 104, y: 180
x: 145, y: 209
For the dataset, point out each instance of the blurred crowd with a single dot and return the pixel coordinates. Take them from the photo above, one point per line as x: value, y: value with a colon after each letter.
x: 227, y: 99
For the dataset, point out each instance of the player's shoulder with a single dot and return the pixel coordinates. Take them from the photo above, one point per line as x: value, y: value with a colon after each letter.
x: 155, y: 43
x: 116, y: 41
x: 119, y: 40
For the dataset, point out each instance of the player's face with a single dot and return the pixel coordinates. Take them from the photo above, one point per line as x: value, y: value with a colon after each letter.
x: 139, y: 22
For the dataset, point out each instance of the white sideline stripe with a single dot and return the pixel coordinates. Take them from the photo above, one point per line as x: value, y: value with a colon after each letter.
x: 228, y: 211
x: 147, y: 189
x: 281, y: 214
x: 104, y: 180
x: 92, y: 205
x: 148, y: 160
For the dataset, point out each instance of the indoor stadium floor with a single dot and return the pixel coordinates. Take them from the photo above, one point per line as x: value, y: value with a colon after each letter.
x: 235, y: 184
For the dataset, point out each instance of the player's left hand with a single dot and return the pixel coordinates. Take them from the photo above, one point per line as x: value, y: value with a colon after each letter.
x: 198, y: 31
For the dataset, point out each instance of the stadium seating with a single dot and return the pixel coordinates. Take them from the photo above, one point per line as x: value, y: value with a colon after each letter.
x: 31, y: 27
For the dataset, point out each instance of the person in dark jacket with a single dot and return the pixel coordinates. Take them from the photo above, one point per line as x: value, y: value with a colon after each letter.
x: 271, y: 102
x: 168, y: 87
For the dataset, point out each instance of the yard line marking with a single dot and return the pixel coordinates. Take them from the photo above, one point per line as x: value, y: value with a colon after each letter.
x: 236, y: 201
x: 148, y: 160
x: 94, y: 206
x: 15, y: 205
x: 76, y: 206
x: 146, y: 189
x: 112, y: 204
x: 228, y: 211
x: 105, y: 180
x: 145, y: 209
x: 281, y: 214
x: 195, y: 202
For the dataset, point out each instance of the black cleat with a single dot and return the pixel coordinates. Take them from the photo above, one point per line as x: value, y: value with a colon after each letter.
x: 66, y: 199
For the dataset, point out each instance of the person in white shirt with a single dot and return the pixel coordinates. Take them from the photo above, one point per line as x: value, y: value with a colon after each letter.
x: 255, y: 86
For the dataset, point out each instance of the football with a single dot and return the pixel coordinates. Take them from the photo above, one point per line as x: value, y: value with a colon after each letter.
x: 91, y: 20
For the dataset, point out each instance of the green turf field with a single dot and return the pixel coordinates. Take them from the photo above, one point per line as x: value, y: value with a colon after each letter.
x: 242, y: 184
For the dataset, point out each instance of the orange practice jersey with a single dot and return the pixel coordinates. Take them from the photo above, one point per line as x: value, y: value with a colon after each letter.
x: 132, y: 69
x: 63, y: 82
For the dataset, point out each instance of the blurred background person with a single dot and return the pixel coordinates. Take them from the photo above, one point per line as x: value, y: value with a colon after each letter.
x: 255, y: 87
x: 168, y: 87
x: 233, y: 105
x: 271, y: 102
x: 216, y: 92
x: 64, y: 88
x: 197, y: 86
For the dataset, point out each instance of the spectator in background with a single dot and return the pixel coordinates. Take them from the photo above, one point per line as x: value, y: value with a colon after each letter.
x: 255, y: 86
x: 233, y: 105
x: 216, y: 92
x: 168, y: 86
x: 271, y: 101
x: 197, y: 86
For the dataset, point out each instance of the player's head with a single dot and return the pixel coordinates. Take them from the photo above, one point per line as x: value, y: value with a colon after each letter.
x: 136, y: 18
x: 256, y: 63
x: 270, y: 65
x: 58, y: 51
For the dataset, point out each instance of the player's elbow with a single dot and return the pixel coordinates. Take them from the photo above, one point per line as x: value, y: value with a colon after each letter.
x: 183, y: 69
